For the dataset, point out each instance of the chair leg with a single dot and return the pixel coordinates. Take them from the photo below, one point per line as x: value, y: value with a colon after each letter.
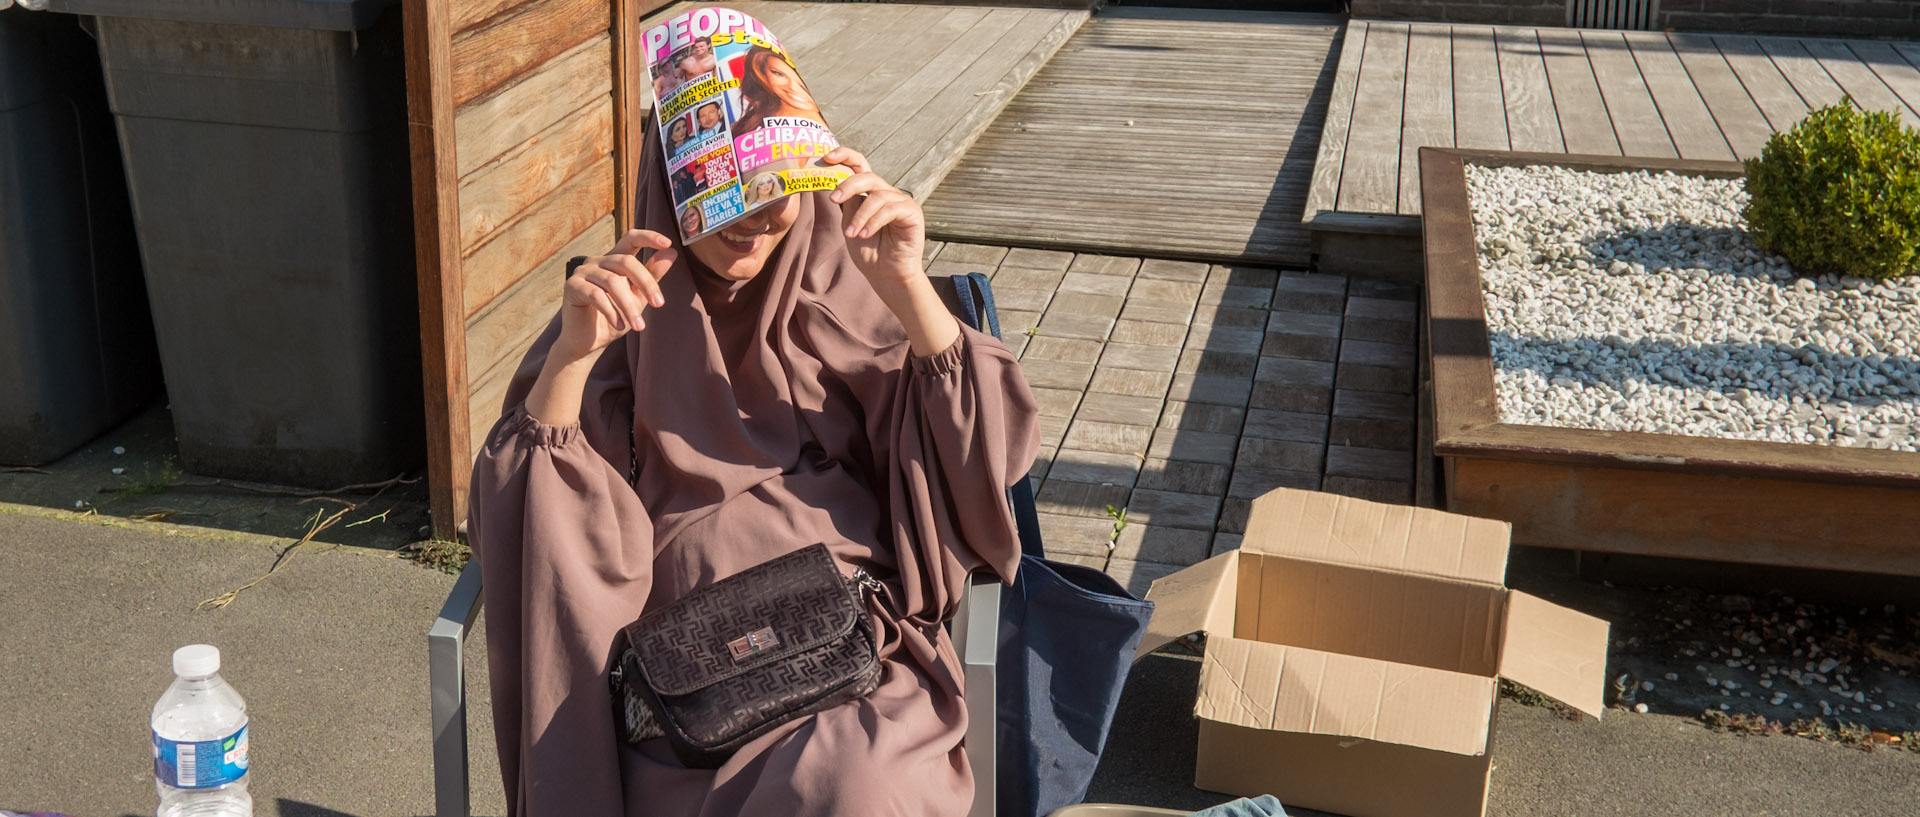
x: 447, y: 668
x: 976, y: 635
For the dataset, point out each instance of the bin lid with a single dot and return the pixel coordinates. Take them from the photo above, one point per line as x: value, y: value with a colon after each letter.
x: 317, y: 15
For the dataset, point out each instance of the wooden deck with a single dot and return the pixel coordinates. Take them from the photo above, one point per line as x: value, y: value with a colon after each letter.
x: 913, y: 85
x: 1174, y: 133
x: 1677, y: 95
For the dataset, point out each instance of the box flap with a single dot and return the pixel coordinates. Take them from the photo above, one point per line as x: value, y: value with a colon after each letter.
x: 1330, y: 528
x: 1197, y: 599
x: 1555, y: 651
x: 1271, y: 686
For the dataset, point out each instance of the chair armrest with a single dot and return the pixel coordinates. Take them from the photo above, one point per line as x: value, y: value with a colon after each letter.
x: 446, y: 671
x: 976, y: 636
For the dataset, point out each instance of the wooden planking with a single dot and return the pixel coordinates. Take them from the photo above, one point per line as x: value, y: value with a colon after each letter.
x: 466, y: 14
x: 494, y: 195
x: 1739, y: 119
x: 1887, y: 64
x: 856, y: 86
x: 1763, y: 81
x: 823, y: 66
x: 885, y: 115
x: 490, y: 127
x: 1695, y: 134
x: 495, y: 266
x: 1479, y: 106
x: 1532, y: 122
x: 1371, y: 181
x: 1856, y: 79
x: 1584, y: 124
x: 1809, y: 79
x: 499, y: 336
x: 1636, y: 119
x: 1429, y: 117
x: 1339, y: 121
x: 507, y: 46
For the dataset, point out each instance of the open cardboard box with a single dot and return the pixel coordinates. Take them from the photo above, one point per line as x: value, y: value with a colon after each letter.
x: 1354, y: 650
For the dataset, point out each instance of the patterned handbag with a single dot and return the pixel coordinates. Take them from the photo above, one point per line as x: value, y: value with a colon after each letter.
x: 730, y: 661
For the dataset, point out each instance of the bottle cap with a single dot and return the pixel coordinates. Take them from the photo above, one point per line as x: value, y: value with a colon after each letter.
x: 196, y: 661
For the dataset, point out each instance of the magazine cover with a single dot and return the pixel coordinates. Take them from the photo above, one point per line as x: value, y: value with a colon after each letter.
x: 739, y: 126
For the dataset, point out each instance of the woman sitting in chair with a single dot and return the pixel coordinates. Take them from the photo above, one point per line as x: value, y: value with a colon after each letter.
x: 696, y: 410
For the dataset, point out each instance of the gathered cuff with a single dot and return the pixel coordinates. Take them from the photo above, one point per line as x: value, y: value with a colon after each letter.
x: 531, y: 431
x: 946, y: 361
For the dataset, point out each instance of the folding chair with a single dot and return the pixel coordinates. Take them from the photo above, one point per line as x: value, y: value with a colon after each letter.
x: 975, y: 630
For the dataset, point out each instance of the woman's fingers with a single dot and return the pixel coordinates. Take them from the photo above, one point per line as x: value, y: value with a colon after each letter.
x: 642, y: 279
x: 859, y: 185
x: 875, y: 212
x: 636, y: 240
x: 850, y: 159
x: 619, y: 289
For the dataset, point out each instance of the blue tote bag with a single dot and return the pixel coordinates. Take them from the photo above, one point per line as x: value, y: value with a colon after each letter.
x: 1067, y: 636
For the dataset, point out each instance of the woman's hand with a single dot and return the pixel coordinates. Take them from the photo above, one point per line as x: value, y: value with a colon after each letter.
x: 885, y: 228
x: 605, y: 295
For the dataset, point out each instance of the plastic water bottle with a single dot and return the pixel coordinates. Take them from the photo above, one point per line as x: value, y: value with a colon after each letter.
x: 200, y: 740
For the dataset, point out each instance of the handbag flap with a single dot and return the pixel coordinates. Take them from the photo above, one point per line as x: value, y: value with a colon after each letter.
x: 763, y: 614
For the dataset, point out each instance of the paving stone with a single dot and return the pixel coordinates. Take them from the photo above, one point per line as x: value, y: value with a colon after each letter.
x: 1373, y: 405
x: 1292, y: 281
x: 973, y: 254
x: 1149, y: 289
x: 1242, y: 297
x: 1021, y: 299
x: 1091, y: 327
x: 1054, y: 374
x: 1376, y: 378
x: 1301, y: 347
x: 1392, y: 435
x: 1095, y: 467
x: 1140, y: 356
x: 1015, y: 322
x: 1058, y: 496
x: 1056, y: 402
x: 1159, y: 311
x: 1210, y: 388
x: 1211, y: 362
x: 1319, y: 294
x: 1184, y: 477
x: 1253, y: 482
x: 1104, y: 265
x: 1381, y: 330
x: 1370, y: 353
x: 1209, y: 417
x: 1163, y: 544
x: 1359, y: 306
x: 944, y: 268
x: 1205, y: 315
x: 1048, y: 280
x: 1228, y: 339
x: 1284, y: 371
x: 1173, y: 510
x: 1369, y: 463
x: 1400, y: 493
x: 1112, y: 285
x: 1115, y: 438
x: 1065, y: 350
x: 1150, y: 333
x: 1385, y: 290
x: 1078, y: 535
x: 1296, y: 426
x: 1085, y: 303
x: 1136, y: 576
x: 1137, y: 382
x: 931, y: 252
x: 1280, y: 455
x: 1223, y: 542
x: 1301, y: 323
x: 1119, y: 408
x: 1016, y: 343
x: 1041, y: 464
x: 1052, y: 430
x: 1242, y: 277
x: 1193, y: 446
x: 1193, y: 271
x: 1037, y: 259
x: 1233, y: 515
x: 1291, y: 398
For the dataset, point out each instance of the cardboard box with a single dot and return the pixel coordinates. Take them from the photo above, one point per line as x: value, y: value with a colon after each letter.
x: 1354, y: 650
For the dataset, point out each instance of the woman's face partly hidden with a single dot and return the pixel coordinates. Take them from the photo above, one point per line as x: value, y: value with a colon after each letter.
x: 741, y: 250
x: 785, y: 83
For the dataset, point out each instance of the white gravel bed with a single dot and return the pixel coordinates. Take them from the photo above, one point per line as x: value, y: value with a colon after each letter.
x: 1636, y: 302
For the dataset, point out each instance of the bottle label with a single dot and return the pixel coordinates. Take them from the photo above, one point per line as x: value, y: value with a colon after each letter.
x: 185, y: 764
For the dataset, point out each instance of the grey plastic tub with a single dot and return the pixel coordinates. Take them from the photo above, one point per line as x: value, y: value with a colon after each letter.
x: 269, y: 169
x: 76, y: 344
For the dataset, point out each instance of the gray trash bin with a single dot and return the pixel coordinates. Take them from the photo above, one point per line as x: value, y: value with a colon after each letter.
x: 76, y: 344
x: 266, y: 148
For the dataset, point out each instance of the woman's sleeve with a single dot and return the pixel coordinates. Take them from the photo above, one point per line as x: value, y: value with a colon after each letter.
x: 966, y: 430
x: 566, y: 553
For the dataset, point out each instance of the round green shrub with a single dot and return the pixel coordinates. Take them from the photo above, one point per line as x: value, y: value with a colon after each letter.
x: 1840, y: 192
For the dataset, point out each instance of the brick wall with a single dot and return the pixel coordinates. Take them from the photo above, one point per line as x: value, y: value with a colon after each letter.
x: 1857, y: 18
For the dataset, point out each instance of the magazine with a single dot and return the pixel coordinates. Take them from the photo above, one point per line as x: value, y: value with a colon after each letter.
x: 739, y: 128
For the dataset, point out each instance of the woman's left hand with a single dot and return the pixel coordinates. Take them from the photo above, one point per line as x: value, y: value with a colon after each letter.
x: 885, y: 228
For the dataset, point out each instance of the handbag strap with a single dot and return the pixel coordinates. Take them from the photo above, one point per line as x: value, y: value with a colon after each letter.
x: 976, y: 308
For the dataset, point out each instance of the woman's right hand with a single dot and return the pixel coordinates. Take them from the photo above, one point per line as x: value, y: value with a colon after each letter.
x: 606, y: 295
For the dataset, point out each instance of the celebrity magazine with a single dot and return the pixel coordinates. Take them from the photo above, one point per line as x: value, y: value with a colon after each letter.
x: 739, y: 127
